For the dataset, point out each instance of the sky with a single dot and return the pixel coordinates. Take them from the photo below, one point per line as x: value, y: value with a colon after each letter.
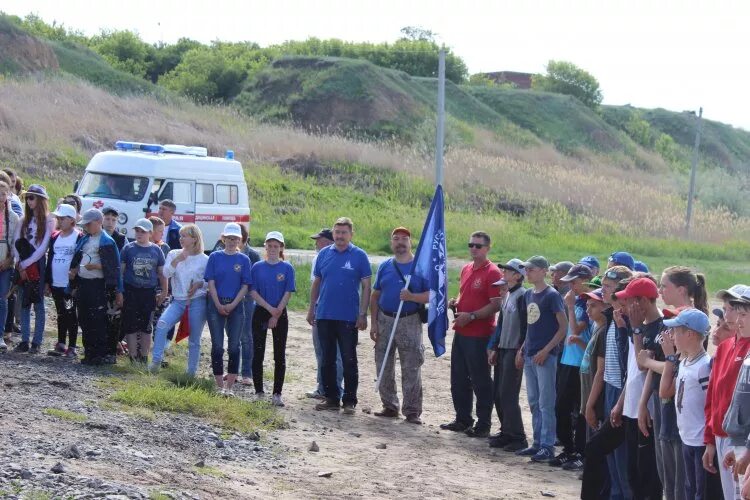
x: 678, y: 55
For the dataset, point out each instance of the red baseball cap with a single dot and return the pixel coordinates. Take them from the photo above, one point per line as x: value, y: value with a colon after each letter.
x: 402, y: 230
x: 641, y: 287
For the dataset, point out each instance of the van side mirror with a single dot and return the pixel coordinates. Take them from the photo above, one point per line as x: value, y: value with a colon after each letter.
x: 75, y: 187
x: 152, y: 198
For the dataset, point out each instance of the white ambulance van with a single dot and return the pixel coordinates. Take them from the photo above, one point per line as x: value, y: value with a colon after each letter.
x: 135, y: 177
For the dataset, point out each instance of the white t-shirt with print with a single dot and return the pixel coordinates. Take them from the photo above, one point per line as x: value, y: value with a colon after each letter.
x: 65, y: 247
x: 690, y: 398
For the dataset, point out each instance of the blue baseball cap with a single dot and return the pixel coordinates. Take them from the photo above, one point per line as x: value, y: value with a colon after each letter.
x: 690, y: 318
x: 622, y: 259
x: 590, y: 261
x: 640, y: 266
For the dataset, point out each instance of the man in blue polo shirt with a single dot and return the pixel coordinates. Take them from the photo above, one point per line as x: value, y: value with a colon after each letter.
x: 340, y: 270
x: 389, y: 291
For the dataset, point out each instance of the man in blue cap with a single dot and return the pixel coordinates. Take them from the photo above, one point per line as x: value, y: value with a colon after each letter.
x: 621, y: 259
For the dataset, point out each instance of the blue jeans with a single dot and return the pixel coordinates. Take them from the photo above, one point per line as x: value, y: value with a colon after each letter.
x: 617, y: 461
x: 345, y: 335
x: 169, y: 318
x: 540, y: 390
x: 4, y: 287
x: 39, y: 313
x: 232, y: 324
x: 319, y: 358
x: 246, y: 339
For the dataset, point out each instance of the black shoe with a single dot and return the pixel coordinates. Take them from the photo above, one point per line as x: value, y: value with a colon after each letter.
x: 34, y: 349
x: 109, y: 359
x: 478, y: 432
x: 455, y: 426
x: 414, y: 419
x: 499, y: 441
x: 22, y: 347
x: 575, y: 464
x: 561, y: 459
x: 349, y: 409
x: 387, y: 412
x: 328, y: 405
x: 515, y: 446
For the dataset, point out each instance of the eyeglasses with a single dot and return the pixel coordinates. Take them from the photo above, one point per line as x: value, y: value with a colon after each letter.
x: 30, y: 197
x: 612, y: 275
x: 476, y: 245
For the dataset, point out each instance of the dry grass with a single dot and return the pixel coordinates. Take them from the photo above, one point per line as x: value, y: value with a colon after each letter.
x: 38, y: 119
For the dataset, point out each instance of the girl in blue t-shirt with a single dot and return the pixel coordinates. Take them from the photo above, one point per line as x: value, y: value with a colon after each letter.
x: 273, y: 285
x: 142, y: 265
x: 228, y: 277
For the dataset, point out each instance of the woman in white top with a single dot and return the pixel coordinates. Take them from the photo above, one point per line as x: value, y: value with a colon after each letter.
x: 36, y: 228
x: 185, y: 269
x: 8, y: 224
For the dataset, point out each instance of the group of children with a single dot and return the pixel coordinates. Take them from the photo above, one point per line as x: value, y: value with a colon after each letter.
x: 124, y: 294
x: 627, y: 389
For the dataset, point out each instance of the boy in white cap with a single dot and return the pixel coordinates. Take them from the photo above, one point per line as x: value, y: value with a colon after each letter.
x: 62, y: 247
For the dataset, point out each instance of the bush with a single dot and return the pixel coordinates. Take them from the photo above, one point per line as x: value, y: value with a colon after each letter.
x: 566, y: 78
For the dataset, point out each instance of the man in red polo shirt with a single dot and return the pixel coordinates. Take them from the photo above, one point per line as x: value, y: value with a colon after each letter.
x: 474, y: 323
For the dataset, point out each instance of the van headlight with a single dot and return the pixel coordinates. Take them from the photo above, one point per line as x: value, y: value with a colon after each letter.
x: 122, y: 219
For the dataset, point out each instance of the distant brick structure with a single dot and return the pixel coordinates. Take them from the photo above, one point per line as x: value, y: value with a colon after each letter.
x: 520, y: 80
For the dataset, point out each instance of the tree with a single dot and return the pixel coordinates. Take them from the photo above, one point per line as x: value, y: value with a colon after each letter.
x: 566, y: 78
x: 418, y: 33
x: 124, y: 50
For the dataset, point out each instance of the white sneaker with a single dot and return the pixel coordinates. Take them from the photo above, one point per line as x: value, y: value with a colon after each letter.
x: 219, y: 390
x: 276, y: 400
x: 229, y: 393
x: 3, y: 345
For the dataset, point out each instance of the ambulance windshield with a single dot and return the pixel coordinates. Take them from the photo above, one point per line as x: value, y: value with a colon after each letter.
x: 119, y: 187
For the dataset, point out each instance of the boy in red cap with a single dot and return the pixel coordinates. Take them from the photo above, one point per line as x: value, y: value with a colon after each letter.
x: 639, y: 297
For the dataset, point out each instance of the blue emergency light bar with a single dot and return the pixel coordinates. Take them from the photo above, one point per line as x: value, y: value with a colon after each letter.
x: 139, y: 146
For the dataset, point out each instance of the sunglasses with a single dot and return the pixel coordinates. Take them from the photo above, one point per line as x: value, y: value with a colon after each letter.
x: 476, y: 245
x: 612, y: 275
x: 30, y: 197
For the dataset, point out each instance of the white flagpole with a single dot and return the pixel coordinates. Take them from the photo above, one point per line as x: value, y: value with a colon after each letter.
x: 390, y: 339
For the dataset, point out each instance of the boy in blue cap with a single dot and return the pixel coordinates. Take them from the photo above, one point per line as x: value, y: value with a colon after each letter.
x: 688, y: 386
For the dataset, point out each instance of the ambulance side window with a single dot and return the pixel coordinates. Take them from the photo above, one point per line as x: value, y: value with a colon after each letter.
x: 178, y: 192
x: 204, y: 193
x: 227, y: 194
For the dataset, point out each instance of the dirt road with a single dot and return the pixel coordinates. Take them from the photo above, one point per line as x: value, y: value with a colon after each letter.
x: 124, y: 455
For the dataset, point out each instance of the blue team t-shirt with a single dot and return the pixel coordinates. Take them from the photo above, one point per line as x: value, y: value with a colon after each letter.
x: 229, y: 273
x: 573, y: 353
x: 141, y: 264
x: 272, y: 281
x: 540, y: 318
x: 340, y: 275
x: 390, y: 284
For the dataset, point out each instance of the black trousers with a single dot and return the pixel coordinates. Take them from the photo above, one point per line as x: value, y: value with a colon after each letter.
x: 67, y: 318
x: 571, y: 428
x: 470, y: 376
x: 260, y: 332
x: 507, y: 387
x: 595, y: 472
x: 344, y: 334
x: 642, y: 474
x: 114, y: 320
x: 92, y: 316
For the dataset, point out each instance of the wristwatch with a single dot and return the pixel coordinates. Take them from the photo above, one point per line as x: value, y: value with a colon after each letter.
x: 672, y: 358
x: 636, y: 331
x: 472, y: 316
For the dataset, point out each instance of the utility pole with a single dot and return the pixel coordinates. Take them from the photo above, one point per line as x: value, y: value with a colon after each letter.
x: 694, y: 167
x: 440, y: 119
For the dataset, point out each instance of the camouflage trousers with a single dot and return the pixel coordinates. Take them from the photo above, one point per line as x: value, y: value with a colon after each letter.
x: 407, y: 341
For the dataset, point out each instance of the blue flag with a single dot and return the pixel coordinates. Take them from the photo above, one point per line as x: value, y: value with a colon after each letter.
x: 430, y: 263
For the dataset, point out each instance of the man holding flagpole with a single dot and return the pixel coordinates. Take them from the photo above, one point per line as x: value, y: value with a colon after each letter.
x: 474, y: 323
x: 389, y: 290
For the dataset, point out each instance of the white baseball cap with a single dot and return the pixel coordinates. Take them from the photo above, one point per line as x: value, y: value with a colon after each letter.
x: 144, y: 224
x: 65, y: 210
x: 275, y: 235
x: 232, y: 229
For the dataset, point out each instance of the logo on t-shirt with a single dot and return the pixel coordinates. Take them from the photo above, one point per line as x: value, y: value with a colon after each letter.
x: 237, y: 268
x: 477, y: 283
x: 532, y: 313
x: 347, y: 265
x: 280, y: 277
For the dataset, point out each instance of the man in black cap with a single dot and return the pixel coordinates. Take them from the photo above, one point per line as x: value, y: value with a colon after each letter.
x: 323, y: 239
